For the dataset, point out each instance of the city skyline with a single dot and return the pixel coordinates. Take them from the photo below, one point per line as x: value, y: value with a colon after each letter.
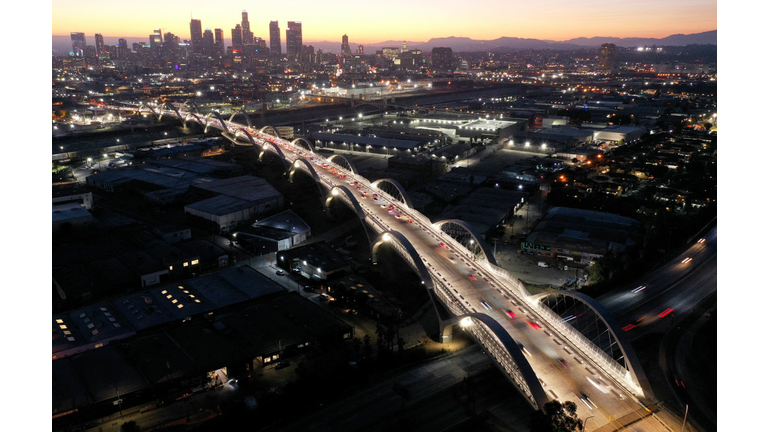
x: 555, y: 20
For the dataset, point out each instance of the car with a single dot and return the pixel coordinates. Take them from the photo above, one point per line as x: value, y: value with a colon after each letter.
x: 563, y: 363
x: 410, y: 220
x: 665, y: 312
x: 442, y: 245
x: 486, y: 305
x: 279, y: 272
x: 324, y: 296
x: 687, y: 260
x: 283, y: 364
x: 701, y: 240
x: 233, y: 383
x: 471, y: 277
x: 534, y: 325
x: 638, y: 289
x: 511, y: 314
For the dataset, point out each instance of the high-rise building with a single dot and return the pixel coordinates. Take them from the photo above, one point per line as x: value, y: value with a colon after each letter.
x: 274, y: 38
x: 442, y: 59
x: 78, y: 44
x: 156, y: 39
x: 345, y: 50
x: 208, y: 43
x: 389, y: 53
x: 218, y: 41
x: 405, y: 47
x: 607, y: 57
x: 99, y: 43
x: 196, y: 35
x: 293, y: 41
x: 247, y: 33
x: 237, y: 37
x: 360, y: 50
x: 122, y: 48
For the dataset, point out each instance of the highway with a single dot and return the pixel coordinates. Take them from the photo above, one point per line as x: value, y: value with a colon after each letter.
x: 468, y: 284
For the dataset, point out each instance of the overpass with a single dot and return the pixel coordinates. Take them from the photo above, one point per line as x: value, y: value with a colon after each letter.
x: 558, y: 345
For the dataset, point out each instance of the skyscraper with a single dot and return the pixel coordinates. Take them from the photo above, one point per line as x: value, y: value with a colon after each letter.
x: 274, y: 38
x: 218, y: 41
x: 196, y: 35
x: 99, y: 43
x: 293, y: 41
x: 208, y: 44
x: 237, y: 37
x: 607, y: 57
x: 345, y: 50
x: 247, y: 33
x: 78, y: 44
x: 155, y: 39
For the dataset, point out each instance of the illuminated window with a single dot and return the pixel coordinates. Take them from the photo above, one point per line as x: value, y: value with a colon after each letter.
x: 170, y: 268
x: 174, y: 301
x: 63, y: 327
x: 197, y: 301
x: 194, y: 262
x: 186, y: 264
x: 164, y: 292
x: 179, y: 305
x: 59, y: 321
x: 169, y: 296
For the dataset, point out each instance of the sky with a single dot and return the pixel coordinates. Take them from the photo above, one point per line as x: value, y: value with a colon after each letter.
x: 372, y: 22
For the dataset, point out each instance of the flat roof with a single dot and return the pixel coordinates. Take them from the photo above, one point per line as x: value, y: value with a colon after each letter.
x: 247, y: 188
x: 287, y: 221
x: 221, y: 205
x: 367, y: 140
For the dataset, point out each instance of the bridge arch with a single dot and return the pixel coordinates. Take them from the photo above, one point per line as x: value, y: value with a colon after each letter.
x: 507, y: 355
x: 272, y: 148
x: 344, y: 162
x: 244, y: 113
x: 468, y: 237
x: 173, y: 108
x: 348, y: 197
x: 406, y: 250
x: 218, y: 117
x: 152, y: 110
x: 591, y: 322
x: 269, y: 130
x: 239, y: 132
x: 301, y: 142
x: 393, y: 188
x: 190, y: 113
x: 305, y: 166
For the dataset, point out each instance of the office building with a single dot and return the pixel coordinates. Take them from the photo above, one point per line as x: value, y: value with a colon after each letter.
x: 99, y: 43
x: 78, y: 44
x: 218, y: 41
x: 607, y: 57
x: 293, y: 40
x: 237, y: 37
x: 442, y: 59
x: 155, y: 39
x: 196, y: 35
x: 274, y: 38
x: 208, y: 43
x: 247, y: 33
x: 345, y: 50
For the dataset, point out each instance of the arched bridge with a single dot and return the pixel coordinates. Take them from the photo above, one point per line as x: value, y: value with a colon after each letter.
x: 527, y: 336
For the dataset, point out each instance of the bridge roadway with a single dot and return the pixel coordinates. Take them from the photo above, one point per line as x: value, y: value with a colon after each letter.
x: 462, y: 281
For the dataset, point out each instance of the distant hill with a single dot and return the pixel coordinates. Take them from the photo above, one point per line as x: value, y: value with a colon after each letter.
x: 62, y: 44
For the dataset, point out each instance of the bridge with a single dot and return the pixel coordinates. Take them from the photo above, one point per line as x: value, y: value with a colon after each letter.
x: 556, y: 345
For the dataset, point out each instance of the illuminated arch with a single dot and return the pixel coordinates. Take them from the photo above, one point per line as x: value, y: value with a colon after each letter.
x: 142, y: 106
x: 348, y: 197
x: 219, y: 118
x: 304, y: 166
x: 190, y: 113
x: 269, y: 130
x: 244, y: 113
x: 174, y: 109
x: 595, y: 324
x: 398, y: 189
x: 507, y: 355
x: 344, y: 162
x: 301, y: 142
x: 406, y: 250
x: 466, y: 229
x: 272, y: 148
x: 242, y: 131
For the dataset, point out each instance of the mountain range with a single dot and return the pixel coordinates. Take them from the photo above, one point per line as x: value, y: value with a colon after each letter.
x: 62, y: 44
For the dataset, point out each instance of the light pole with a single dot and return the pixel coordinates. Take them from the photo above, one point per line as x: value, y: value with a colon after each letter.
x: 585, y: 422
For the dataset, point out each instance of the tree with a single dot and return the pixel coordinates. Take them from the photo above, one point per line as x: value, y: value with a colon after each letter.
x: 556, y: 417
